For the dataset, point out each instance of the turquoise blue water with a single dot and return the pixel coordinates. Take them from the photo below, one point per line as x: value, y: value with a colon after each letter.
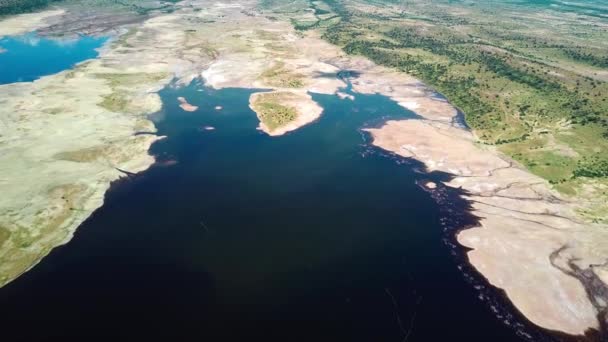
x: 28, y: 57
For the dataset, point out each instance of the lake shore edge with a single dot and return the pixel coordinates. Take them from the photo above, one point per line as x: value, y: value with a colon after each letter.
x: 542, y: 230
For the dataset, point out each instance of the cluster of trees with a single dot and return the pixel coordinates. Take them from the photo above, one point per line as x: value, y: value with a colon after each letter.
x: 501, y: 68
x: 458, y: 89
x: 586, y: 57
x: 593, y: 168
x: 22, y: 6
x: 469, y: 71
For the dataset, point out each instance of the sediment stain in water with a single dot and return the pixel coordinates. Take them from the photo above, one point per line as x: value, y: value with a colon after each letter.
x: 28, y: 57
x: 235, y: 235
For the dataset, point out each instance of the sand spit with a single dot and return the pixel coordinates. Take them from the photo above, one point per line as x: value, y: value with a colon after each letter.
x: 183, y: 104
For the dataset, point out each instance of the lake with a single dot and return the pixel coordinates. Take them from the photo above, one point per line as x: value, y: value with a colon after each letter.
x: 235, y: 235
x: 28, y: 57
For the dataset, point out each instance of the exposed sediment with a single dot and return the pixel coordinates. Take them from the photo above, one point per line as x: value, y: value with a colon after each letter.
x: 65, y: 137
x: 27, y: 22
x: 183, y: 104
x: 522, y: 220
x: 530, y: 241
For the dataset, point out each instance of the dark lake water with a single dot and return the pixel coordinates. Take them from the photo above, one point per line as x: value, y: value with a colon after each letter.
x: 28, y: 57
x: 237, y: 236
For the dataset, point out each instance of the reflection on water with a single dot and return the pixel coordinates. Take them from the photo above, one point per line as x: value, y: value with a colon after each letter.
x: 28, y: 57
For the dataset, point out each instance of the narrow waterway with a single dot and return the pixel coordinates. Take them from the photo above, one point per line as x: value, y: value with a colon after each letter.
x: 237, y: 236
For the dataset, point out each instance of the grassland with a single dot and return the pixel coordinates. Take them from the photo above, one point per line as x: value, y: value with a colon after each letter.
x: 278, y: 76
x: 121, y: 84
x: 531, y: 77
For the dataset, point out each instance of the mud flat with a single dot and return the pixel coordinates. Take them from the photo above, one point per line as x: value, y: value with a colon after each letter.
x: 64, y: 138
x: 530, y: 242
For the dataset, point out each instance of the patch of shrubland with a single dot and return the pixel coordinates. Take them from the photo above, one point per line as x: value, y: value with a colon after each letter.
x: 22, y: 246
x: 272, y: 111
x: 280, y: 77
x: 122, y: 84
x: 535, y: 89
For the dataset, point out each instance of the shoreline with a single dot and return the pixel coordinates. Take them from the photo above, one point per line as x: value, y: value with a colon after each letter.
x: 457, y: 216
x: 434, y: 162
x: 307, y: 111
x: 500, y: 192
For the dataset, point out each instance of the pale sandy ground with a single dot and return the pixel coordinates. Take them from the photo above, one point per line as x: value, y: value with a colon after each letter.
x: 183, y: 104
x: 530, y: 242
x: 59, y: 149
x: 527, y: 234
x: 26, y: 22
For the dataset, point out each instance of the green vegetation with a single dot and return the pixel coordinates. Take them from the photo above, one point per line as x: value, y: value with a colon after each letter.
x: 119, y: 100
x: 5, y: 234
x: 85, y: 155
x: 278, y: 76
x: 116, y: 80
x: 271, y: 111
x: 8, y: 7
x: 22, y: 238
x: 23, y: 6
x: 528, y: 76
x: 116, y: 102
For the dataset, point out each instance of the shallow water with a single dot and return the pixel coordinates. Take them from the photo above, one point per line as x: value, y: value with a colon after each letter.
x: 235, y: 236
x: 28, y: 57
